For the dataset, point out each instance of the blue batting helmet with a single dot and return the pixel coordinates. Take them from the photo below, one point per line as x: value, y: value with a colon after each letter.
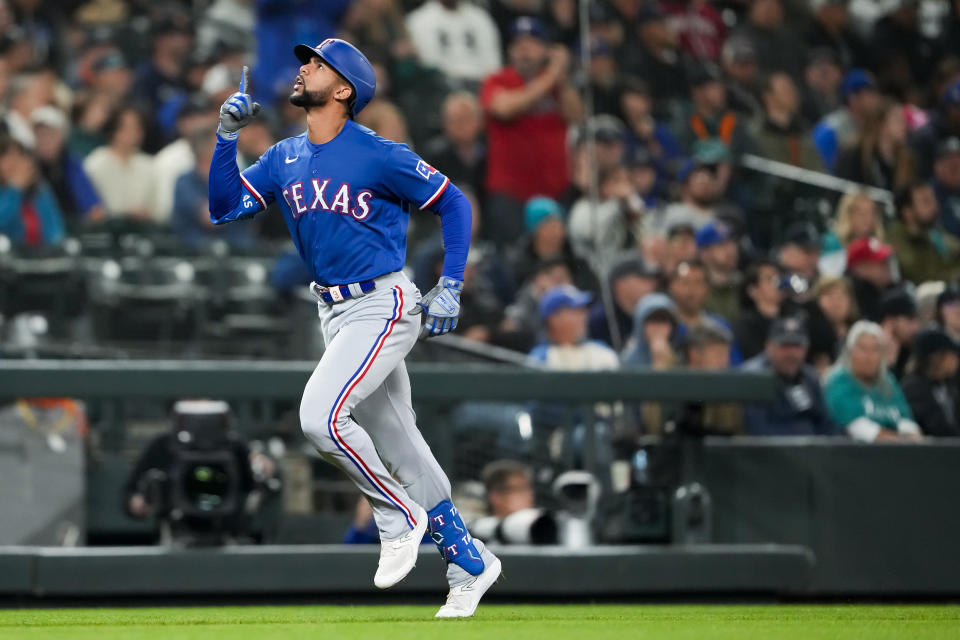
x: 349, y: 62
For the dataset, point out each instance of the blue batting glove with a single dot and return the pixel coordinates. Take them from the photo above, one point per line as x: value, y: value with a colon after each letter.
x: 440, y: 307
x: 238, y: 111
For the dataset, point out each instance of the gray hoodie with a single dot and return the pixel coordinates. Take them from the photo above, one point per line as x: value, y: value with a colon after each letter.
x: 637, y: 351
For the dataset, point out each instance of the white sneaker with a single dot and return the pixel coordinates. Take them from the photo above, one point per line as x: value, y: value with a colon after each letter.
x: 462, y: 601
x: 399, y: 556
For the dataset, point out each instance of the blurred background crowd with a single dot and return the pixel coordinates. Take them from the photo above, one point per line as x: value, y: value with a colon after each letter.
x: 772, y: 184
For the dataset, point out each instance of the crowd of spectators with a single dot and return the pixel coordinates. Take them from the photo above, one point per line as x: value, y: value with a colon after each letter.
x: 637, y: 236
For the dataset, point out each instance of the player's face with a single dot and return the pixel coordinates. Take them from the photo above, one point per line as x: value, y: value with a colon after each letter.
x: 316, y: 84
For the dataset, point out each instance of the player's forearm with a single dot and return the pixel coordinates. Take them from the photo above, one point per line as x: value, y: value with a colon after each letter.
x: 224, y: 187
x: 456, y: 218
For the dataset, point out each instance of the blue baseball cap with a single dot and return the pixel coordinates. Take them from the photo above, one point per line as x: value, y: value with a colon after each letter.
x: 529, y: 26
x: 713, y: 233
x: 857, y: 80
x: 565, y: 296
x: 538, y: 209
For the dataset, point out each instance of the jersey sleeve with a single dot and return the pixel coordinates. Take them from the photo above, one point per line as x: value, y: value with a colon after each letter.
x: 235, y: 196
x: 407, y: 176
x: 257, y: 183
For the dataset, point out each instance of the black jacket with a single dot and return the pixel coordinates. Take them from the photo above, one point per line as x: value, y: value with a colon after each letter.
x: 750, y: 332
x: 935, y: 406
x: 824, y: 340
x: 868, y: 298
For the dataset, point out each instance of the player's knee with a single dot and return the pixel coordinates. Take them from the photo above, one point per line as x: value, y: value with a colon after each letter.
x: 314, y: 425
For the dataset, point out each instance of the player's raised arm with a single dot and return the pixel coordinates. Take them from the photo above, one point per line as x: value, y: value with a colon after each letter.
x: 233, y: 196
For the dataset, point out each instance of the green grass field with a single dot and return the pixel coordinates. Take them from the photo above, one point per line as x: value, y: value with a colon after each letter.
x: 549, y: 622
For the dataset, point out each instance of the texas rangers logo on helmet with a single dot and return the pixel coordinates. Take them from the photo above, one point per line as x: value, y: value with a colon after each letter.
x: 425, y: 170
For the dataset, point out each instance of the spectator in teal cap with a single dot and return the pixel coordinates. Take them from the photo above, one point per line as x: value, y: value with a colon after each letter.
x: 541, y: 209
x: 546, y: 239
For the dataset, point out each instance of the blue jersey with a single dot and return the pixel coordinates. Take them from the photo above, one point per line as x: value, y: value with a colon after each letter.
x: 346, y: 202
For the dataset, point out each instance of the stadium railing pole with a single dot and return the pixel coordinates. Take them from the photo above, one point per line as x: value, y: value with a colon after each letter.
x: 599, y: 256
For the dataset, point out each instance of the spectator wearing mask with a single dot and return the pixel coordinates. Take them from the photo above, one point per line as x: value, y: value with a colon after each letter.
x: 798, y: 407
x: 781, y: 135
x: 563, y: 311
x: 29, y: 213
x: 948, y: 311
x: 862, y: 396
x: 760, y: 298
x: 456, y: 37
x: 630, y: 281
x: 653, y: 335
x: 946, y: 184
x: 869, y: 269
x: 930, y: 388
x: 688, y: 289
x: 944, y: 124
x: 719, y: 251
x: 121, y: 172
x: 460, y: 152
x: 881, y: 156
x: 841, y: 128
x: 925, y: 252
x: 531, y: 100
x: 546, y: 239
x: 62, y: 169
x: 830, y: 314
x: 900, y: 322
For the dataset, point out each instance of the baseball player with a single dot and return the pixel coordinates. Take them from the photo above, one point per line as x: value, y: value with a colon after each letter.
x: 345, y: 194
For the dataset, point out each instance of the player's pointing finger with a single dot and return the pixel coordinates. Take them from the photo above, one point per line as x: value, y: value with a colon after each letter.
x: 243, y: 79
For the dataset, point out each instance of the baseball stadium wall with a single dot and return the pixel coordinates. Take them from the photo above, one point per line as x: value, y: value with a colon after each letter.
x: 804, y: 517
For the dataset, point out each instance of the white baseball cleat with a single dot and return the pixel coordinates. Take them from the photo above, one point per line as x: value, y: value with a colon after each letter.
x: 399, y: 556
x: 462, y: 601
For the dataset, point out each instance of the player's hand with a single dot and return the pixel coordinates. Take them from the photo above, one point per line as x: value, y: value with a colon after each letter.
x: 440, y: 307
x: 238, y: 111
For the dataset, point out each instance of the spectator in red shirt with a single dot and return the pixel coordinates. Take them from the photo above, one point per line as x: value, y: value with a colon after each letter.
x: 527, y: 106
x: 699, y: 26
